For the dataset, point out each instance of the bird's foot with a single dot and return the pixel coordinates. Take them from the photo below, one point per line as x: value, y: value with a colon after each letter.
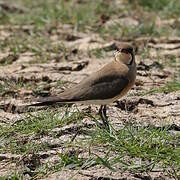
x: 106, y: 124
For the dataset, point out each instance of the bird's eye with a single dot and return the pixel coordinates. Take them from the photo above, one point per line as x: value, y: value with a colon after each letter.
x: 118, y: 49
x: 127, y: 50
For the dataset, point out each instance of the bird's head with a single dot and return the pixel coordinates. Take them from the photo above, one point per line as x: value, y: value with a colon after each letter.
x: 125, y: 54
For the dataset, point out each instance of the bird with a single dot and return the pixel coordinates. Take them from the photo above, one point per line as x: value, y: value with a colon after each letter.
x: 103, y: 87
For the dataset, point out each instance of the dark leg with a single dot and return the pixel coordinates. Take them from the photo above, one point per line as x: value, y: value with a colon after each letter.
x: 100, y: 110
x: 102, y: 113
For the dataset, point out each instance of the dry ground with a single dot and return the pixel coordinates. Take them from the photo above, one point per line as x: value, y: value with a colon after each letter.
x: 47, y: 46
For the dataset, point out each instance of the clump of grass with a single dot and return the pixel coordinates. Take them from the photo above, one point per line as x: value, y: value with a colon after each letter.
x: 37, y: 43
x: 170, y: 87
x: 143, y: 29
x: 66, y: 161
x: 47, y: 13
x: 138, y: 149
x: 11, y: 86
x: 23, y: 137
x: 13, y: 176
x: 167, y: 8
x: 45, y: 121
x: 9, y: 59
x: 8, y: 87
x: 70, y: 160
x: 22, y: 42
x: 167, y: 88
x: 14, y: 138
x: 155, y: 5
x: 132, y: 149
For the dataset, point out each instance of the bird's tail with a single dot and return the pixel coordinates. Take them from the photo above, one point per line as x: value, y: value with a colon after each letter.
x: 49, y: 101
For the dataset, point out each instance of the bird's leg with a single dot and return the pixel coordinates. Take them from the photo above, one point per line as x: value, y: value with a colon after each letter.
x: 100, y: 110
x: 105, y: 118
x: 102, y: 113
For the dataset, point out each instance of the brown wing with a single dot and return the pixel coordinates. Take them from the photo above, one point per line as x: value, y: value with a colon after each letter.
x: 105, y: 87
